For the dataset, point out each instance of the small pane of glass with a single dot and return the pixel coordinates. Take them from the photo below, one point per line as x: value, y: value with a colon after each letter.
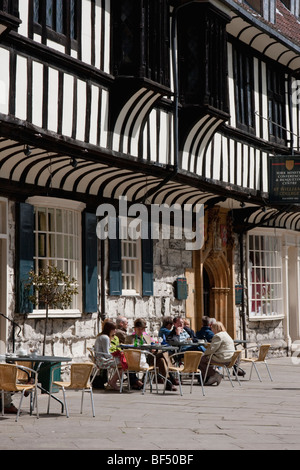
x: 49, y: 13
x: 58, y: 220
x: 42, y: 225
x: 59, y: 16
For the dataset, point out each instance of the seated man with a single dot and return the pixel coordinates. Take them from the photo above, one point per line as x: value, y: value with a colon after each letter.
x: 187, y: 327
x: 139, y: 337
x: 180, y: 335
x: 205, y: 332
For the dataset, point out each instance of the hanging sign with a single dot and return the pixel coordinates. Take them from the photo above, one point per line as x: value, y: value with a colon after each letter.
x: 284, y: 179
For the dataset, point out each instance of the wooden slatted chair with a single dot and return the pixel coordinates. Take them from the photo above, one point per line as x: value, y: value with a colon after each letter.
x: 102, y: 363
x: 133, y: 358
x: 191, y: 360
x: 9, y: 383
x: 80, y: 374
x: 263, y: 351
x: 227, y: 366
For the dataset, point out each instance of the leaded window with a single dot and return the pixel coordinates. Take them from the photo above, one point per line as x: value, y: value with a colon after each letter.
x: 57, y: 20
x: 57, y: 242
x: 276, y: 105
x: 244, y: 89
x: 141, y: 39
x: 265, y: 275
x: 255, y: 4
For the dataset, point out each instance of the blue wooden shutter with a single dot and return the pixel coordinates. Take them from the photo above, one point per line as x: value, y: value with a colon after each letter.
x: 147, y: 265
x: 90, y: 256
x: 25, y: 254
x: 115, y: 264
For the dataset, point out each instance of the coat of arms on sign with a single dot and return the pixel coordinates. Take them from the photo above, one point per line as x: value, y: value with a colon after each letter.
x: 289, y: 164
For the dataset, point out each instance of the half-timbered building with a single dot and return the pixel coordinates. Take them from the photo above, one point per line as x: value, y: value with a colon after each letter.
x: 148, y: 102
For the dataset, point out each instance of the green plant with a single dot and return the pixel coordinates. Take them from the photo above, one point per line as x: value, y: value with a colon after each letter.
x: 53, y: 288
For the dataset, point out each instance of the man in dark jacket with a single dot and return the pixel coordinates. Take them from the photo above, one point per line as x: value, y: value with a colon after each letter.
x: 205, y: 332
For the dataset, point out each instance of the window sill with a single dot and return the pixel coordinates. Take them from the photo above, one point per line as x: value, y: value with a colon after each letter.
x: 266, y: 317
x: 57, y: 314
x: 130, y: 293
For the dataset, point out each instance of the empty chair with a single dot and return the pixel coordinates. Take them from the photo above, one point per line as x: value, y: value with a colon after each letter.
x: 190, y: 366
x: 9, y: 383
x: 80, y: 374
x: 226, y: 366
x: 133, y: 358
x: 263, y: 351
x: 23, y: 375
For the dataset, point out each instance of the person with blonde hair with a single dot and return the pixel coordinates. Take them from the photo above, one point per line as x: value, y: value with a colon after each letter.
x: 221, y: 348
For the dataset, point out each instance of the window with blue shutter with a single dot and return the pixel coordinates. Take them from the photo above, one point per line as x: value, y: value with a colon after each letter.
x: 147, y: 266
x: 115, y: 264
x: 25, y: 253
x: 122, y: 258
x: 90, y: 255
x: 50, y: 220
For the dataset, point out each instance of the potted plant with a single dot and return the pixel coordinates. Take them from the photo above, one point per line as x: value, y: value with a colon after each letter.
x: 52, y: 288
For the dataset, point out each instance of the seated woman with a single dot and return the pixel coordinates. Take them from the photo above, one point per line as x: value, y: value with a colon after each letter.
x: 221, y: 348
x: 138, y: 337
x: 103, y: 345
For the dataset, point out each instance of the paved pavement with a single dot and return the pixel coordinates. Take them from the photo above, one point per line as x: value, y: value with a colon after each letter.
x: 251, y: 417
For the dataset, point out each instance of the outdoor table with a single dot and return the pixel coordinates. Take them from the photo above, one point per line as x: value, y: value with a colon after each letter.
x: 155, y: 346
x: 181, y: 344
x: 39, y: 360
x: 240, y: 341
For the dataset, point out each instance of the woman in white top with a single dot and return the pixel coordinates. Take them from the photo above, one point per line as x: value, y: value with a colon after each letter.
x: 222, y: 350
x: 102, y: 345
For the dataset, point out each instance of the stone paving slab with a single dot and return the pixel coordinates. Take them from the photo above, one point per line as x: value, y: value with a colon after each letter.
x: 255, y: 416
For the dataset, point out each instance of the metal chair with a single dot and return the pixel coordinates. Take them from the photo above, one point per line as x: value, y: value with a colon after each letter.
x: 263, y: 351
x: 23, y: 376
x: 103, y: 362
x: 191, y: 360
x: 133, y: 358
x: 226, y: 366
x: 80, y: 374
x: 9, y: 384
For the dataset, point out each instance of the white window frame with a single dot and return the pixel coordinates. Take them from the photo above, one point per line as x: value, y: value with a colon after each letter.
x: 76, y: 209
x: 265, y: 275
x: 131, y: 256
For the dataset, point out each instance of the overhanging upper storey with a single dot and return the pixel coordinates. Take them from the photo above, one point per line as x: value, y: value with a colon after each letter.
x: 278, y: 40
x: 9, y: 16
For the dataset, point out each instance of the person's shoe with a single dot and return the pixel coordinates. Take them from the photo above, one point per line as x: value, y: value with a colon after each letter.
x: 110, y: 386
x: 214, y: 379
x: 171, y: 387
x: 138, y: 385
x: 174, y: 381
x: 10, y: 410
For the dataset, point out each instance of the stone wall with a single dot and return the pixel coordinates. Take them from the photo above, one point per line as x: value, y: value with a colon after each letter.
x: 170, y: 261
x: 72, y: 336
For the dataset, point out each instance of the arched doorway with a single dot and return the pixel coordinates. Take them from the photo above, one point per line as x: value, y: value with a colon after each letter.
x: 217, y: 270
x: 214, y: 271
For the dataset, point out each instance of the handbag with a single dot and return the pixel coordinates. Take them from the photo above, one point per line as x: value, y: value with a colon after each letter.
x: 122, y: 359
